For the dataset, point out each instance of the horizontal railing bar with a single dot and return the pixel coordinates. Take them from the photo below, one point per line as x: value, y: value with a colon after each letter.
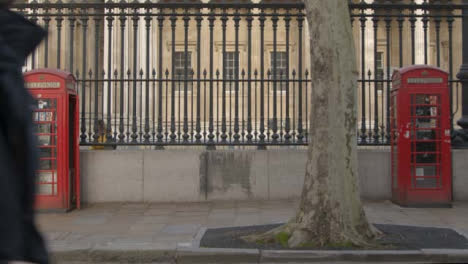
x: 406, y: 16
x: 195, y: 144
x: 424, y: 6
x: 253, y: 144
x: 79, y: 16
x: 206, y: 15
x: 149, y: 5
x: 195, y: 80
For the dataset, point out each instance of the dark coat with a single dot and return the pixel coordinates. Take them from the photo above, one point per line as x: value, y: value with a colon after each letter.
x: 19, y: 238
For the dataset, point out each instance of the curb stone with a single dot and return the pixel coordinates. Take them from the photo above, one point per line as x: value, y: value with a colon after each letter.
x: 131, y: 253
x: 447, y: 255
x: 196, y: 241
x: 462, y: 232
x: 158, y: 253
x: 285, y: 256
x: 217, y: 255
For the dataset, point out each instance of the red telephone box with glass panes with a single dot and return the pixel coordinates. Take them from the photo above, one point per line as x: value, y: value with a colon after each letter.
x: 420, y: 141
x: 55, y: 118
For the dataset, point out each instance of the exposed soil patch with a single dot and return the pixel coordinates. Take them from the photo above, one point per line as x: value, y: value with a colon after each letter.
x: 395, y: 237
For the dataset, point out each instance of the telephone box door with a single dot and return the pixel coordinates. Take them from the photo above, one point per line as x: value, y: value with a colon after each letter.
x: 49, y: 180
x: 426, y: 149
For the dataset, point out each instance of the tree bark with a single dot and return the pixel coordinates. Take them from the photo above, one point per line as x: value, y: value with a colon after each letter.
x: 330, y: 212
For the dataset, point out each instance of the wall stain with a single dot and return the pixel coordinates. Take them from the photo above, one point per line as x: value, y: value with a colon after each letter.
x: 221, y: 172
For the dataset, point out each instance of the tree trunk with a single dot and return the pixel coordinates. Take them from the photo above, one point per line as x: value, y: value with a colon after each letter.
x: 330, y: 212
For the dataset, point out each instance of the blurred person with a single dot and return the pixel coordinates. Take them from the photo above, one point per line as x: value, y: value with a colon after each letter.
x: 19, y: 237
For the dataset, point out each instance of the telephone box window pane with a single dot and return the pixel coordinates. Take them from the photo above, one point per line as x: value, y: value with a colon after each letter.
x: 49, y: 128
x: 47, y: 140
x: 46, y: 103
x: 43, y: 116
x: 425, y: 99
x: 47, y: 152
x: 425, y: 134
x: 424, y: 171
x: 44, y: 189
x: 425, y: 158
x: 425, y: 176
x: 426, y: 147
x: 425, y: 123
x: 47, y: 183
x: 426, y: 111
x: 46, y: 177
x: 47, y: 189
x: 47, y: 164
x: 426, y: 183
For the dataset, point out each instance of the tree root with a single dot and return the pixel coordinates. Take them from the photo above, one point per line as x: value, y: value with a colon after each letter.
x: 272, y: 235
x: 298, y: 237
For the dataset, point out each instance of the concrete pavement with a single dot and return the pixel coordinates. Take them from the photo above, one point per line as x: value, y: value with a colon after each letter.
x: 164, y: 232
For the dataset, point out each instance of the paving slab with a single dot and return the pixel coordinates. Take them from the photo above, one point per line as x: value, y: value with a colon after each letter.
x: 182, y: 229
x: 70, y: 251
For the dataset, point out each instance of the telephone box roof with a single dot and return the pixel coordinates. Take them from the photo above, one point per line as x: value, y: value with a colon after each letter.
x: 58, y: 73
x: 419, y: 67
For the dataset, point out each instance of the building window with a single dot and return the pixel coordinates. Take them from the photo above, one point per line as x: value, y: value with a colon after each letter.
x: 230, y: 69
x: 281, y: 69
x: 379, y: 75
x: 179, y: 76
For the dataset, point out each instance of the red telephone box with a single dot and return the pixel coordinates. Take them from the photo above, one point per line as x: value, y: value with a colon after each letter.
x: 420, y: 141
x: 56, y: 124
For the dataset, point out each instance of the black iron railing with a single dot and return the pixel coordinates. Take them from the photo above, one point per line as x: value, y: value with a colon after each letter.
x: 225, y: 73
x: 392, y: 36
